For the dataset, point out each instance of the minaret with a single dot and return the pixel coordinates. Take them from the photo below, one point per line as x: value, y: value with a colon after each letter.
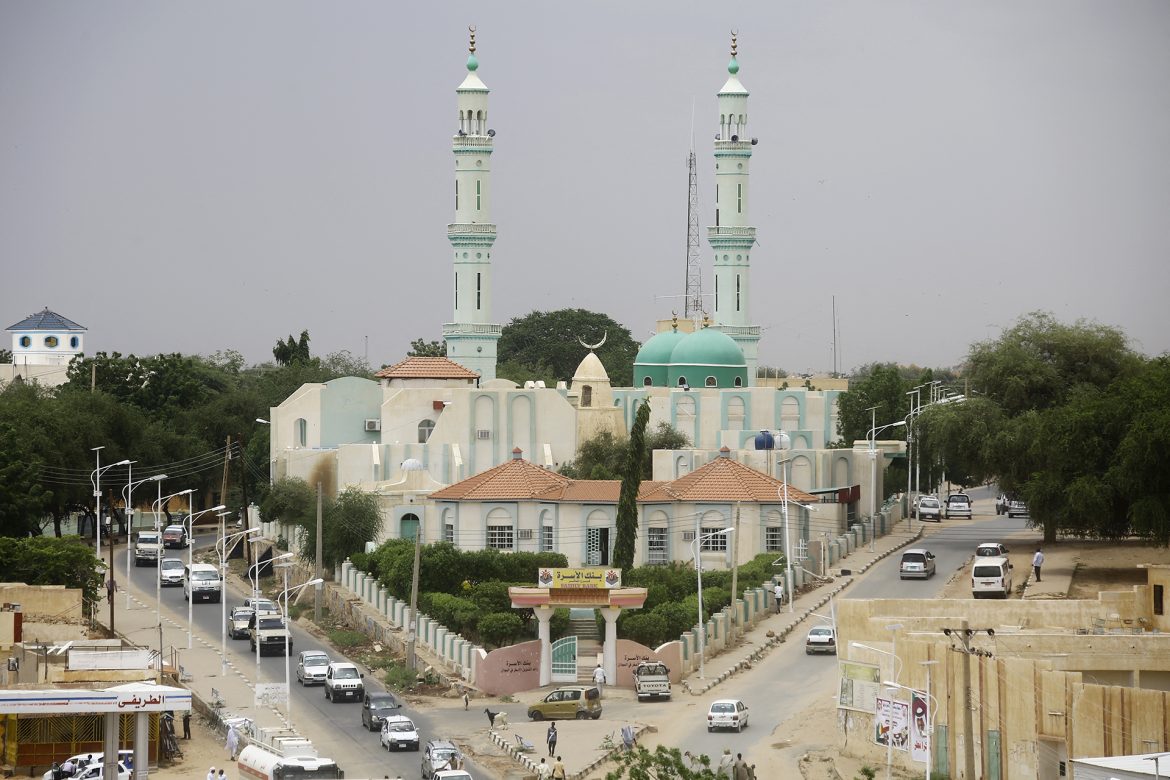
x: 732, y: 238
x: 471, y: 338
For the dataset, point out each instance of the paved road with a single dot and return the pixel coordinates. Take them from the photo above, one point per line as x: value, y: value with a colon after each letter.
x: 335, y: 729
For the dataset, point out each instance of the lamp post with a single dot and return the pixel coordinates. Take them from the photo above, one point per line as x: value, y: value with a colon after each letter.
x: 95, y: 479
x: 873, y: 473
x: 127, y: 492
x: 285, y: 594
x: 158, y: 569
x: 1157, y: 761
x: 914, y: 401
x: 191, y: 559
x: 256, y: 592
x: 696, y: 547
x: 931, y: 702
x: 898, y: 669
x: 222, y: 545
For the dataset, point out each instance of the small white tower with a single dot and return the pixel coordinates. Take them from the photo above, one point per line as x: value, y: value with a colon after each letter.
x: 472, y: 337
x: 732, y: 238
x: 46, y: 339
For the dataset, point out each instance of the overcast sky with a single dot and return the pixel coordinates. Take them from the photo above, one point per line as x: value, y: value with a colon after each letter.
x: 202, y: 176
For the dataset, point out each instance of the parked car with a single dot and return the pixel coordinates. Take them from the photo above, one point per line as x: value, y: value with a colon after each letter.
x: 437, y: 756
x: 929, y: 508
x: 727, y: 714
x: 569, y: 701
x: 174, y: 536
x: 652, y: 680
x: 93, y: 772
x: 399, y: 733
x: 311, y: 667
x: 376, y: 707
x: 958, y: 505
x: 238, y: 622
x: 1017, y: 509
x: 821, y: 639
x: 170, y: 571
x: 84, y: 760
x: 991, y: 576
x: 917, y: 562
x: 991, y: 550
x: 343, y: 681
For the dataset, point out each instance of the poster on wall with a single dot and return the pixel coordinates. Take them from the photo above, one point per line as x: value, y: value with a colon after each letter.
x: 892, y: 723
x: 919, y: 727
x: 859, y: 686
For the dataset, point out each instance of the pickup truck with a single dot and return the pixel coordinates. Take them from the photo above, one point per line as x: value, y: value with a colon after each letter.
x: 148, y: 548
x: 652, y: 680
x: 267, y: 630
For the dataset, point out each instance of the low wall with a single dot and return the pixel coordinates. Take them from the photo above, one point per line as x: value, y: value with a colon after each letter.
x: 630, y: 654
x: 55, y: 601
x: 510, y: 669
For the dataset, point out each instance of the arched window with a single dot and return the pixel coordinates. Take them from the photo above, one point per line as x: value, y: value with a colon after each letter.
x: 586, y: 396
x: 682, y: 381
x: 300, y: 432
x: 739, y: 381
x: 712, y: 382
x: 425, y: 428
x: 408, y: 526
x: 647, y: 381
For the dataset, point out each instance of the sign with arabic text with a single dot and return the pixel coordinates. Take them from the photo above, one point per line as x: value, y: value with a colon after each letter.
x: 892, y: 724
x: 579, y: 579
x: 860, y: 685
x: 919, y: 727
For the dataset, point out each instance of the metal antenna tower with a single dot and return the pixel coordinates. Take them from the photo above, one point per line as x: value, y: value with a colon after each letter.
x: 694, y: 296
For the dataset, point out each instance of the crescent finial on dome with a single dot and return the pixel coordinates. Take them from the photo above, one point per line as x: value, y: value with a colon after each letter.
x: 592, y: 347
x: 471, y: 46
x: 734, y: 45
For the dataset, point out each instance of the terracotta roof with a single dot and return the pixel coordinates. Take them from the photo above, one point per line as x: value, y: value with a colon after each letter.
x: 721, y: 480
x: 46, y: 320
x: 427, y: 368
x: 512, y: 481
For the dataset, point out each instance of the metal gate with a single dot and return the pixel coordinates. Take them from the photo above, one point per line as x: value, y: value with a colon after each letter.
x: 592, y: 546
x: 564, y: 660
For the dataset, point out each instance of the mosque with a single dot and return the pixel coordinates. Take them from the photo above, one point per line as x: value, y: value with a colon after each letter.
x: 463, y: 456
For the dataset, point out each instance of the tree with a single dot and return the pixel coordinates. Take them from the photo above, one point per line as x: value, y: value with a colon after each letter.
x: 292, y: 350
x: 351, y: 520
x: 882, y: 387
x: 290, y: 500
x: 663, y: 764
x: 627, y: 510
x: 5, y: 356
x: 545, y: 345
x: 422, y: 348
x: 45, y: 560
x: 604, y: 456
x: 500, y: 628
x: 23, y: 500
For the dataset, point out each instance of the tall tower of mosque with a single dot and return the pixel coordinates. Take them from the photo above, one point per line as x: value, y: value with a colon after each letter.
x: 472, y: 337
x: 732, y: 237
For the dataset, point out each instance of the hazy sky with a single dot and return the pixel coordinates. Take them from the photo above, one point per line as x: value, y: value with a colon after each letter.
x: 201, y: 176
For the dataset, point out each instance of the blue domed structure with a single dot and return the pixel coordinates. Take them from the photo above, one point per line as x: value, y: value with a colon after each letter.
x: 653, y: 360
x: 707, y: 358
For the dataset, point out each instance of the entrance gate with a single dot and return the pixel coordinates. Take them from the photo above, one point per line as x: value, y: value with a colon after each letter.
x: 564, y: 660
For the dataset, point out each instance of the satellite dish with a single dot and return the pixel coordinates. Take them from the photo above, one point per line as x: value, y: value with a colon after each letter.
x: 735, y: 138
x: 492, y: 133
x: 755, y: 141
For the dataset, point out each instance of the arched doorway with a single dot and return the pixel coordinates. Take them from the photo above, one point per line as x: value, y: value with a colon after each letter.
x: 408, y: 526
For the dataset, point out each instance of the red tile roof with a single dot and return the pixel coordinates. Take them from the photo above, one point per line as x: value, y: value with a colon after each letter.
x: 427, y: 368
x: 512, y: 481
x: 723, y: 480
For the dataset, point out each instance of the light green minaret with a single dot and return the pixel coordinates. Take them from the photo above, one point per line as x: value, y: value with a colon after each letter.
x: 472, y: 337
x: 732, y: 238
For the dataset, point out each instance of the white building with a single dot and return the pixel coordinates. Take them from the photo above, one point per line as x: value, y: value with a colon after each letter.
x: 43, y: 345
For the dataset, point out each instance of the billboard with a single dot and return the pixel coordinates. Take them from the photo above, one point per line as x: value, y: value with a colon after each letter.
x: 860, y: 685
x: 919, y: 727
x: 892, y: 723
x: 579, y: 579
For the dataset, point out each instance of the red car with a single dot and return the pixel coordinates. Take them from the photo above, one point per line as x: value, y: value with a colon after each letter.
x: 175, y: 536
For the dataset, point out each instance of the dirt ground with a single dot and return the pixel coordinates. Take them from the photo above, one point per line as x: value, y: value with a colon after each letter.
x: 1100, y: 566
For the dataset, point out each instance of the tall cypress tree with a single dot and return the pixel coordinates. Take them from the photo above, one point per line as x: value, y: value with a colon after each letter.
x: 627, y: 514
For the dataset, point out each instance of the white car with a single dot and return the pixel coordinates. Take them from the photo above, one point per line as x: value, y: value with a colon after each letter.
x: 170, y: 571
x: 451, y: 774
x: 727, y: 714
x: 343, y: 681
x: 958, y: 505
x: 93, y: 772
x: 821, y: 639
x: 917, y: 562
x: 929, y: 507
x: 311, y: 667
x: 991, y: 550
x: 399, y: 733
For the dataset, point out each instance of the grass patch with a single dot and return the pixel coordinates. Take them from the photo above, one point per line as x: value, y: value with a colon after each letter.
x: 399, y: 678
x: 347, y: 639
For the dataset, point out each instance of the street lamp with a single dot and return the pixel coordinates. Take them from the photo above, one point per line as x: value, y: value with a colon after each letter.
x: 696, y: 546
x: 256, y: 591
x: 785, y: 442
x: 191, y: 559
x: 222, y: 545
x: 95, y: 479
x: 158, y: 528
x: 873, y: 473
x: 286, y: 593
x: 860, y: 646
x: 890, y: 726
x: 1156, y: 759
x: 931, y: 702
x: 127, y: 492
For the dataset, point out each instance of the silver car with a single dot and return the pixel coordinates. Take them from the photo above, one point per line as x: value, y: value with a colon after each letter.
x: 170, y: 571
x: 917, y: 562
x: 311, y: 667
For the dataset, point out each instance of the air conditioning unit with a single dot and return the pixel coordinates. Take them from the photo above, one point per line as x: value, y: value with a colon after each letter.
x: 483, y: 434
x: 688, y: 536
x: 524, y: 533
x: 373, y: 425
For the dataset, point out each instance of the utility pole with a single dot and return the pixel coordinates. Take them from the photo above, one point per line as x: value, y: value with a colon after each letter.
x: 317, y: 563
x: 964, y: 634
x: 244, y: 495
x: 735, y: 573
x: 113, y: 584
x: 227, y: 457
x: 412, y: 629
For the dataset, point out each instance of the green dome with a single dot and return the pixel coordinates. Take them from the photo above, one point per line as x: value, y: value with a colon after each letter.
x: 707, y: 347
x: 473, y: 63
x: 733, y: 67
x: 659, y: 347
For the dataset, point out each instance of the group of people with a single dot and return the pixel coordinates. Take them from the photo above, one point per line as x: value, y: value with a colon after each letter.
x: 735, y: 768
x: 212, y: 775
x: 556, y: 771
x: 68, y: 768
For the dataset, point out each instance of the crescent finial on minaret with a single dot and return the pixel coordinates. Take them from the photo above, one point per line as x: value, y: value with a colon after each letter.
x: 734, y: 45
x: 592, y: 347
x: 471, y: 46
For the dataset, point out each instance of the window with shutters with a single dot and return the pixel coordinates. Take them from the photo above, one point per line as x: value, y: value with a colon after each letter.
x: 500, y: 537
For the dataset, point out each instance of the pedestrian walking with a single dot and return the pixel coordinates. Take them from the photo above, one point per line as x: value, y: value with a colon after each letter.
x: 551, y: 738
x: 740, y: 767
x: 558, y: 772
x: 233, y: 741
x: 778, y: 591
x: 211, y: 774
x: 543, y: 770
x: 187, y: 724
x: 726, y: 764
x: 629, y: 739
x: 1037, y: 562
x: 599, y: 679
x: 221, y: 775
x: 466, y: 701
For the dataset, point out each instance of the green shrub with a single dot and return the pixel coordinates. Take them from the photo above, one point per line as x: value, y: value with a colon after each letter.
x: 649, y: 628
x: 558, y: 624
x: 458, y: 614
x: 345, y: 638
x: 500, y: 628
x: 399, y: 677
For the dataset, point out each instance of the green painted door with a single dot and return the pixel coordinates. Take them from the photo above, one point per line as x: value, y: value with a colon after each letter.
x: 564, y: 660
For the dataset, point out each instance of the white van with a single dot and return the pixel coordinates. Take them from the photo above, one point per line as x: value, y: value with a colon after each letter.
x: 991, y: 576
x: 201, y: 581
